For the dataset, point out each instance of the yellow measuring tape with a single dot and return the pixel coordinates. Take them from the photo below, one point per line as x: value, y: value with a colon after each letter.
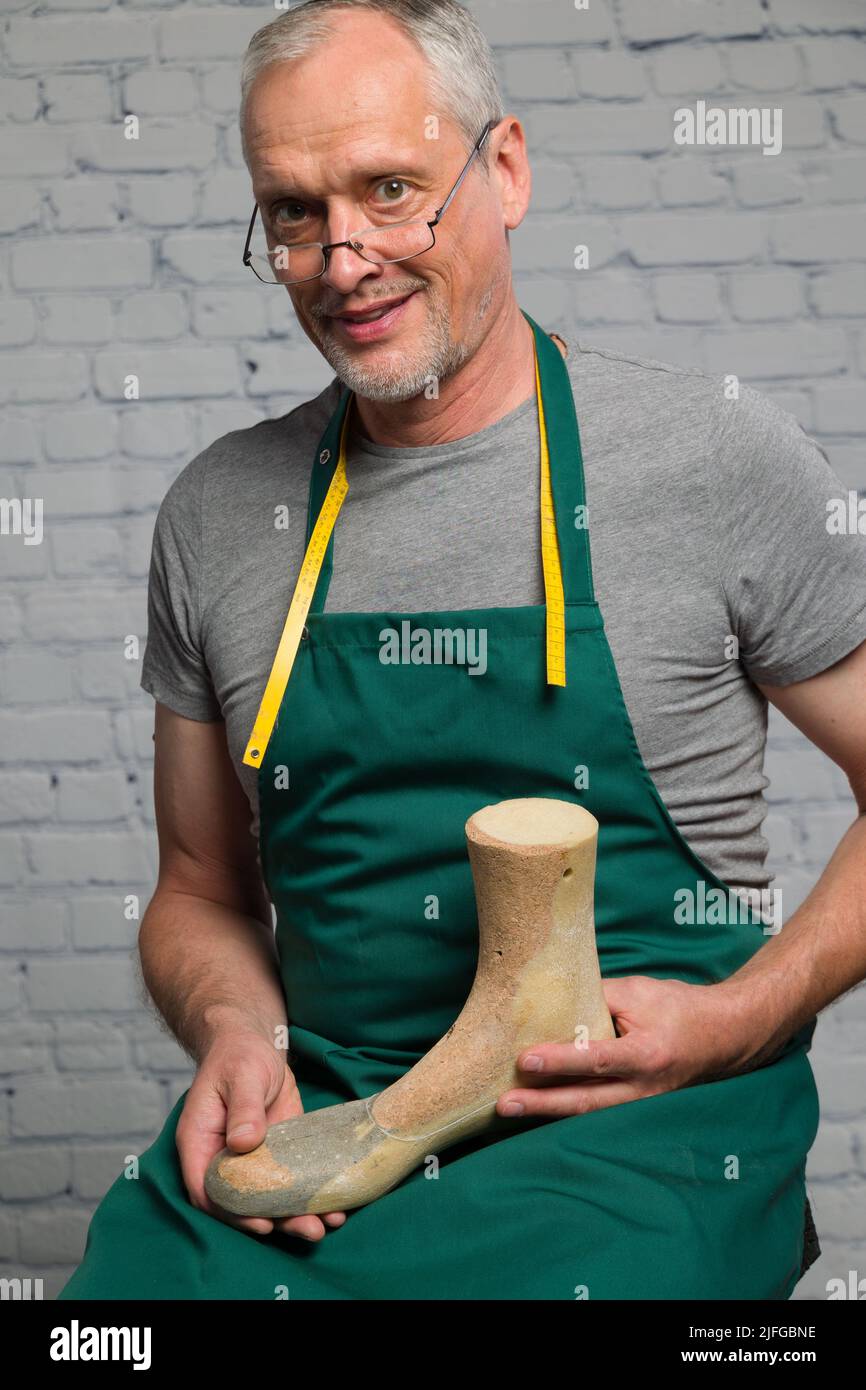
x: 312, y: 566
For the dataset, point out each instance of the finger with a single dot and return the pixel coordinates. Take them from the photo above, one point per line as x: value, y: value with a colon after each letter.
x: 334, y: 1218
x: 601, y: 1058
x: 557, y: 1102
x: 246, y: 1119
x: 308, y: 1227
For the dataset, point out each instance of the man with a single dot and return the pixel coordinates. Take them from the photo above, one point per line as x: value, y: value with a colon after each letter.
x: 720, y: 588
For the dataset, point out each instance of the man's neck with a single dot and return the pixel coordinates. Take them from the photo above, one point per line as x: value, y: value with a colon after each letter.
x: 498, y: 378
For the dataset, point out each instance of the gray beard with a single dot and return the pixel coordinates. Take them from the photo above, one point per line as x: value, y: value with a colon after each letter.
x: 437, y: 357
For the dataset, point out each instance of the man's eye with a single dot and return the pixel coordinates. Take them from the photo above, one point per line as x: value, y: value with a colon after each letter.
x: 290, y: 218
x: 393, y: 189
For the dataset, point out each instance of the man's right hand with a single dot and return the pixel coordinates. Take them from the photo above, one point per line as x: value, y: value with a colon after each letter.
x: 242, y: 1086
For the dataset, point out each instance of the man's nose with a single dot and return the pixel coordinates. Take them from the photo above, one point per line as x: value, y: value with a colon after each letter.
x: 346, y: 269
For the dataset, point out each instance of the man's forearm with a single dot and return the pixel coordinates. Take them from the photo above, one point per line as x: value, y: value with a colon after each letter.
x: 209, y: 968
x: 818, y: 955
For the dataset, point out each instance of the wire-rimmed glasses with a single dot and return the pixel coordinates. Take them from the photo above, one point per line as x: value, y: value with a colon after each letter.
x: 295, y: 264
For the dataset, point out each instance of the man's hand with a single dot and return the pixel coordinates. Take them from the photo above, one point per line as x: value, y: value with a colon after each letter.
x: 671, y: 1035
x: 242, y: 1085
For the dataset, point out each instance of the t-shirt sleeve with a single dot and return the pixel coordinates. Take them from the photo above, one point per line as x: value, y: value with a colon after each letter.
x: 794, y: 576
x: 174, y: 670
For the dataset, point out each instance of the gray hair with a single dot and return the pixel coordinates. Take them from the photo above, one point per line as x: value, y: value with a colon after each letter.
x: 463, y: 80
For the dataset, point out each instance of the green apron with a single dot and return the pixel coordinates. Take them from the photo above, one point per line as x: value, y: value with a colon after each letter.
x: 697, y: 1193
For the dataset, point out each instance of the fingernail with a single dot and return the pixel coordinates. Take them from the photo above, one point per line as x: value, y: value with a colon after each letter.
x: 241, y: 1129
x: 532, y: 1063
x: 512, y: 1107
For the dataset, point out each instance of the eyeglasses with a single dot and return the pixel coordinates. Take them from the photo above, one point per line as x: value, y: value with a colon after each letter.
x: 395, y: 241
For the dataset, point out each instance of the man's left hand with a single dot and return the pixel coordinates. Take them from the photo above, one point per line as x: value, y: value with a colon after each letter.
x: 671, y: 1035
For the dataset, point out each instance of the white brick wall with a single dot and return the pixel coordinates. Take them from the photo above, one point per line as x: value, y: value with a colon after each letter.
x: 122, y: 256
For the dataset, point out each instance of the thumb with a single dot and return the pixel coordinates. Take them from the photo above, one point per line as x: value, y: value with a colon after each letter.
x: 245, y: 1102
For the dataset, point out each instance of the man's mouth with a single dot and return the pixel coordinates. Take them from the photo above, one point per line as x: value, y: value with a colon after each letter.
x: 360, y: 324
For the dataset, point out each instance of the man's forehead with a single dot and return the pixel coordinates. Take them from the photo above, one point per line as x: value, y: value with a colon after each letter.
x: 296, y: 155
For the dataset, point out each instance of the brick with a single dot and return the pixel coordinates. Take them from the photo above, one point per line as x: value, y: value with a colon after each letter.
x: 55, y: 1236
x: 544, y: 243
x: 26, y: 1045
x: 835, y: 178
x: 720, y: 238
x: 764, y: 182
x: 209, y: 31
x: 764, y: 67
x: 99, y: 922
x: 505, y: 22
x: 63, y: 42
x: 828, y: 17
x: 840, y: 409
x: 20, y: 212
x: 806, y: 236
x: 36, y: 924
x: 761, y: 354
x: 25, y: 796
x: 13, y: 865
x: 230, y: 314
x: 85, y: 1045
x: 156, y: 432
x: 207, y: 258
x: 221, y: 196
x: 164, y: 373
x: 96, y: 1167
x: 77, y: 319
x: 848, y: 115
x: 161, y: 145
x: 33, y: 151
x: 681, y: 70
x: 687, y: 298
x: 611, y: 299
x: 70, y: 735
x: 101, y: 795
x: 609, y: 75
x: 76, y: 97
x: 219, y: 88
x: 685, y: 182
x: 85, y: 205
x: 537, y: 73
x: 162, y: 202
x: 92, y: 984
x: 833, y: 63
x: 838, y: 1211
x: 86, y: 263
x: 616, y: 183
x: 758, y: 296
x: 77, y: 435
x: 841, y: 290
x: 604, y: 129
x: 848, y: 462
x: 682, y: 19
x: 17, y: 322
x: 92, y: 1108
x: 45, y: 376
x: 19, y: 98
x: 553, y: 185
x: 832, y: 1154
x: 30, y: 1172
x: 26, y: 673
x: 159, y: 92
x: 155, y: 316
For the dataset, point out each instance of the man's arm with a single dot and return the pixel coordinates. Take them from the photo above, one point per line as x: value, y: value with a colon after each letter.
x: 673, y: 1034
x: 209, y: 961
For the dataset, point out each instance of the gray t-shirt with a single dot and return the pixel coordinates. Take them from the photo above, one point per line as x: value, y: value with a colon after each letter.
x: 708, y: 521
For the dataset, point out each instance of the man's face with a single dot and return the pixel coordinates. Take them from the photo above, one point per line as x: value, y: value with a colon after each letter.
x: 336, y: 142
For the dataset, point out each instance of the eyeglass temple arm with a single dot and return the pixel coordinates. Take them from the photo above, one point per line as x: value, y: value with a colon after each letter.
x: 247, y: 254
x: 479, y: 146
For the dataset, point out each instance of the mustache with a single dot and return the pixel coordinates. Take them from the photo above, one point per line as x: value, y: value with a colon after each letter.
x: 325, y: 309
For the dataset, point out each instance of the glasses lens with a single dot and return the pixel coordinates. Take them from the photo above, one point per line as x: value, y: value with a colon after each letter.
x: 396, y: 243
x: 286, y: 265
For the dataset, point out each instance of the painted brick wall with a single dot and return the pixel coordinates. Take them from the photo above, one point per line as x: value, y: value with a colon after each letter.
x: 122, y: 256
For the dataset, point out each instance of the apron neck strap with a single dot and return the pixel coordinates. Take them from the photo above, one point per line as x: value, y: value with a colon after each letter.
x: 556, y: 401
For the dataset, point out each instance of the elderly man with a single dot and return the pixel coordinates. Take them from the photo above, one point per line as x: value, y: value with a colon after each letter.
x: 667, y: 1162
